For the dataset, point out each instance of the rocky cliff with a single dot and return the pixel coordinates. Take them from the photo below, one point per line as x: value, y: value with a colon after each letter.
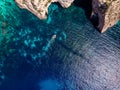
x: 107, y: 11
x: 40, y: 7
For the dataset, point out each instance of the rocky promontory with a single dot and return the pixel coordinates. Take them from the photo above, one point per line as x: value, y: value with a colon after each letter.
x: 107, y: 11
x: 40, y: 7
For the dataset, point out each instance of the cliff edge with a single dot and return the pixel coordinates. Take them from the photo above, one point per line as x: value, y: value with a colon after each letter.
x: 40, y: 7
x: 107, y: 11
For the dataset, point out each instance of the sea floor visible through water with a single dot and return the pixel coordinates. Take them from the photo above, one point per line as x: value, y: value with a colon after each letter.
x: 54, y: 54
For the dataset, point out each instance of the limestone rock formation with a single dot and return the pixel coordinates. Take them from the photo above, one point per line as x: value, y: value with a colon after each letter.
x: 108, y: 11
x: 40, y: 7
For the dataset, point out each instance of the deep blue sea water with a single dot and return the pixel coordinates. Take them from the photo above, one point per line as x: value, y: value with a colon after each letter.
x: 79, y: 58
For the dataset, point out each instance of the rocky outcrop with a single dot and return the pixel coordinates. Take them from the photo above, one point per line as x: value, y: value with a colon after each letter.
x: 40, y: 7
x: 107, y: 11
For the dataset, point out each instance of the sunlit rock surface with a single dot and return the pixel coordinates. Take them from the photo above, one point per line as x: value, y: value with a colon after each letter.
x: 108, y: 12
x: 64, y: 51
x: 40, y: 7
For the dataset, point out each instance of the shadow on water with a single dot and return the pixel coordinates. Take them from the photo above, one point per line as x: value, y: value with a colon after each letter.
x: 86, y: 5
x: 80, y: 58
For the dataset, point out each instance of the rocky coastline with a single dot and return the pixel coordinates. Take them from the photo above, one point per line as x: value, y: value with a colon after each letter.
x: 40, y: 7
x: 107, y: 11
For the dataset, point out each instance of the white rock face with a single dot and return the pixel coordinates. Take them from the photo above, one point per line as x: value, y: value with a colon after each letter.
x: 108, y: 11
x: 40, y: 7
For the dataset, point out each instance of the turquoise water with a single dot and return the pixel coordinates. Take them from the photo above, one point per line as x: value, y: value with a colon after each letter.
x: 31, y: 59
